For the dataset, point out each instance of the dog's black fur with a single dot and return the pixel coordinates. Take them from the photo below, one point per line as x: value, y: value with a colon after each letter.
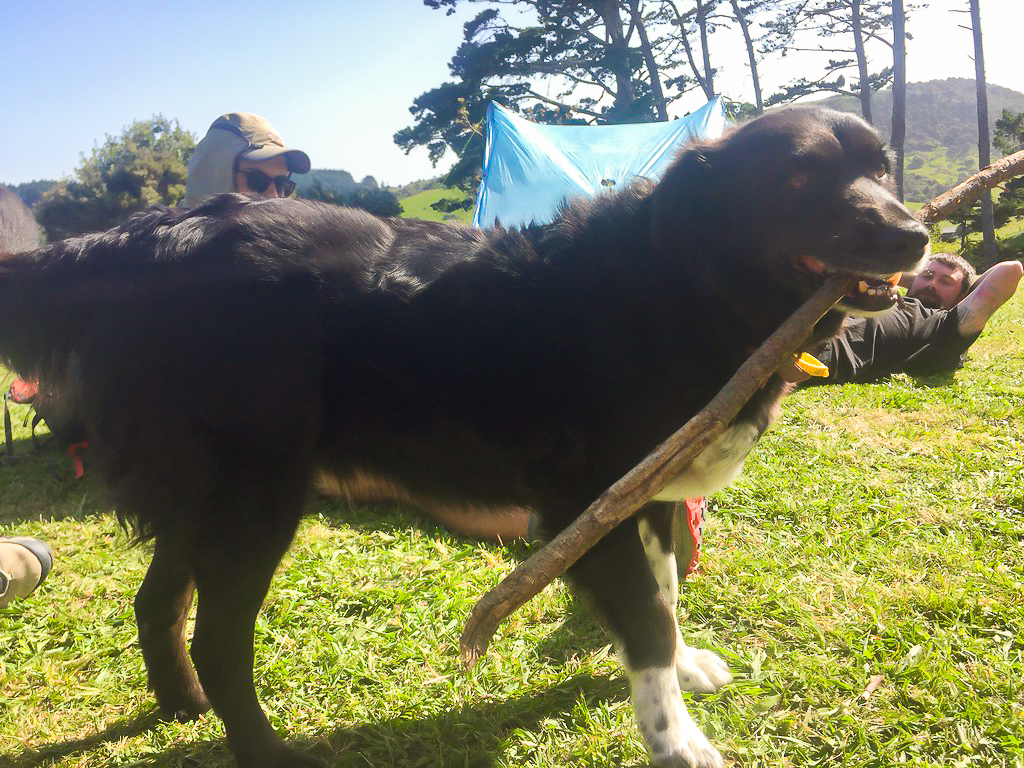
x: 465, y: 367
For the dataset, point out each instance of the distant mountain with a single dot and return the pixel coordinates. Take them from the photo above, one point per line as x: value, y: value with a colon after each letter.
x: 942, y: 129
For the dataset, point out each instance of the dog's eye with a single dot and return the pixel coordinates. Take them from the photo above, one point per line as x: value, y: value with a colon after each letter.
x: 799, y: 180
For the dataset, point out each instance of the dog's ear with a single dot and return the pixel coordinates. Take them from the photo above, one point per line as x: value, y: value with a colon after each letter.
x: 683, y: 195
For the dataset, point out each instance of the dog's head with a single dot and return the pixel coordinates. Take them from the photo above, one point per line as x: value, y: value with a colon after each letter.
x: 800, y: 194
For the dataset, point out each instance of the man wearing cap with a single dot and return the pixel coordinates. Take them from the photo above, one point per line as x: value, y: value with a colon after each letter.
x: 242, y: 153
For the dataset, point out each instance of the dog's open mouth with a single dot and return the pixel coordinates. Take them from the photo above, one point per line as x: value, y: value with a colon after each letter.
x: 872, y: 294
x: 869, y: 295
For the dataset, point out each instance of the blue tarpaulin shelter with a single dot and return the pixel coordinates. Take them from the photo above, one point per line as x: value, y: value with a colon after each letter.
x: 530, y: 169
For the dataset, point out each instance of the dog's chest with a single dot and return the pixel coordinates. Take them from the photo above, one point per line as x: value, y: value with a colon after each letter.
x: 720, y: 463
x: 716, y: 466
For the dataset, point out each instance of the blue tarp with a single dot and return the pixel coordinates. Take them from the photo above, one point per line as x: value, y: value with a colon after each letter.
x: 530, y: 169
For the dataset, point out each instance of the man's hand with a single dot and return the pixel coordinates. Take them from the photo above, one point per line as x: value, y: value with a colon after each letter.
x: 993, y: 289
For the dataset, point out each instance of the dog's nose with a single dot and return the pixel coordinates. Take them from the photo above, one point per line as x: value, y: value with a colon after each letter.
x: 891, y: 234
x: 909, y: 236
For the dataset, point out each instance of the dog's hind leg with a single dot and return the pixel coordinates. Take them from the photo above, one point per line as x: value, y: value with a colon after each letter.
x: 698, y: 670
x: 161, y: 609
x: 619, y: 582
x: 242, y: 537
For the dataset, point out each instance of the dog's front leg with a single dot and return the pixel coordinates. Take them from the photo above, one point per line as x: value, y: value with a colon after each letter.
x: 620, y: 583
x: 698, y: 670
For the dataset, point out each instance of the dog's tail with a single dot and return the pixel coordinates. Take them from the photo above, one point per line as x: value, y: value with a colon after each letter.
x: 27, y: 324
x: 47, y: 294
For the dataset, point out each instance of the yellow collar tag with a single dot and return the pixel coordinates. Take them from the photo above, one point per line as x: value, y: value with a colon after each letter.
x: 810, y: 365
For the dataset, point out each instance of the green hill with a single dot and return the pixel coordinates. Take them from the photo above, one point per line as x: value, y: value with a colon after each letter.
x: 941, y: 147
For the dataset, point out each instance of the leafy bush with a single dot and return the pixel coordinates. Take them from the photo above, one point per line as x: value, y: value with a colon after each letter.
x: 146, y: 164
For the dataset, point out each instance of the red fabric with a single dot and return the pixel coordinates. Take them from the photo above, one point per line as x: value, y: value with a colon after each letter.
x: 24, y: 391
x: 695, y: 509
x: 73, y: 450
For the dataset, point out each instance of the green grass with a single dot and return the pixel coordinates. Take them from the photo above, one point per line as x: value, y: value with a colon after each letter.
x: 878, y: 531
x: 418, y: 206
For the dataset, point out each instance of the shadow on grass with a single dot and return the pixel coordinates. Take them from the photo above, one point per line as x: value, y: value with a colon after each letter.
x: 49, y: 754
x: 41, y: 484
x: 470, y: 736
x: 25, y: 451
x: 578, y: 633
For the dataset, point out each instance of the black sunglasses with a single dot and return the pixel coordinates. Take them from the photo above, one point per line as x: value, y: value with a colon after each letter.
x: 259, y: 182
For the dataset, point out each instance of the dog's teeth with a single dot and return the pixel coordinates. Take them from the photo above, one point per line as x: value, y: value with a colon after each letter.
x: 862, y: 286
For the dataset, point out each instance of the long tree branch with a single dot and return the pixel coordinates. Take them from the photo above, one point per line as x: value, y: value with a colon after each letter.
x: 635, y: 489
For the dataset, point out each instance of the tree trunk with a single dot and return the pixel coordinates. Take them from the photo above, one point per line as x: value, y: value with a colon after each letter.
x: 652, y: 65
x: 988, y: 227
x: 618, y: 58
x: 899, y: 90
x: 702, y: 24
x: 862, y: 63
x: 742, y: 21
x: 968, y: 191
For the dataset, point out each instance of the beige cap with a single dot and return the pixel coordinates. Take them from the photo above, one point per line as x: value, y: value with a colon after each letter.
x: 235, y: 135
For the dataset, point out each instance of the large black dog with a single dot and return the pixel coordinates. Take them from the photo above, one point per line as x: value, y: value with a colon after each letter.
x: 462, y: 367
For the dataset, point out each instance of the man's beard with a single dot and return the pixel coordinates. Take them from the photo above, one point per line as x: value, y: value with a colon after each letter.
x: 928, y: 299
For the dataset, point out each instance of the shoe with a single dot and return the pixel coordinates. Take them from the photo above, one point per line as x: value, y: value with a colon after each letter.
x: 24, y: 565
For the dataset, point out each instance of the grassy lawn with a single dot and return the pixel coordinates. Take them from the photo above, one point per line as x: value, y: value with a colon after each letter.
x: 876, y: 540
x: 418, y: 206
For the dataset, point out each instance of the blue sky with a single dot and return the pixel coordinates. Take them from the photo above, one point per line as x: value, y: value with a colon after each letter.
x: 336, y: 77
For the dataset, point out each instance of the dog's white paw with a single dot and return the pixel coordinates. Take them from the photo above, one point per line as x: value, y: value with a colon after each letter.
x: 696, y: 754
x: 672, y: 737
x: 700, y: 671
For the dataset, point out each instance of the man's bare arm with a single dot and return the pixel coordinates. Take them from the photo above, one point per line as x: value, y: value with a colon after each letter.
x: 994, y: 288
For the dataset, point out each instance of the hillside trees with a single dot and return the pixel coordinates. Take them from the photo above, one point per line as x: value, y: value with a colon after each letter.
x: 1009, y: 138
x: 1009, y: 132
x: 367, y: 195
x: 146, y: 164
x: 609, y: 61
x: 613, y: 61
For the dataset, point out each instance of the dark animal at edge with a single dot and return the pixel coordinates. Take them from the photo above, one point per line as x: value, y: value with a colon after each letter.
x: 462, y: 367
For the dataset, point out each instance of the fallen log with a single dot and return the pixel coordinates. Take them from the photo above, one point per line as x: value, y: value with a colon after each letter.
x: 971, y: 189
x: 634, y: 490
